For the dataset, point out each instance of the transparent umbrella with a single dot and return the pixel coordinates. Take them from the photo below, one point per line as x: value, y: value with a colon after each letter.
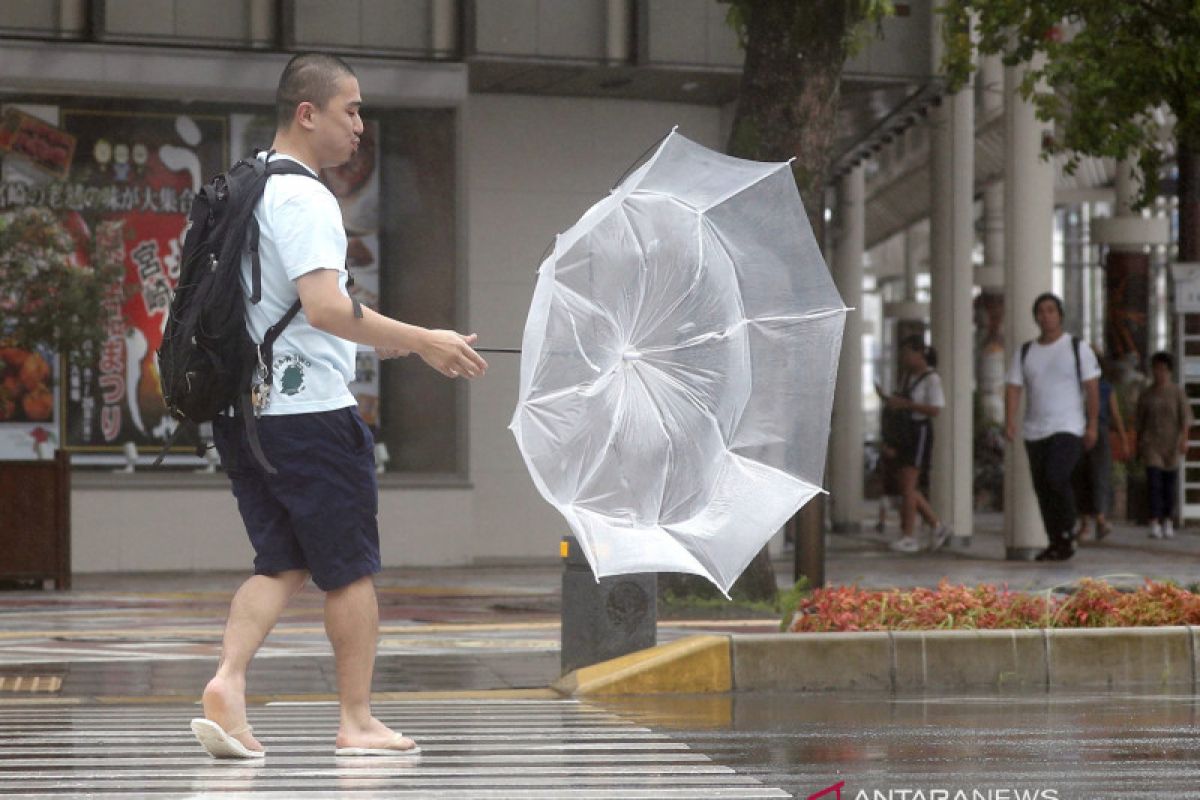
x: 678, y: 366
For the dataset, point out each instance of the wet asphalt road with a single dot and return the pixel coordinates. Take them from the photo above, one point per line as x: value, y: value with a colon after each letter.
x: 974, y: 747
x: 994, y: 747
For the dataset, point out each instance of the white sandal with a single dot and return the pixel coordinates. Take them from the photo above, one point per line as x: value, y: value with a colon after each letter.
x: 221, y: 743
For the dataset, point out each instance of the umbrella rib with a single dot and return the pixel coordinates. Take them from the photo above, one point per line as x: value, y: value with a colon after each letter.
x: 683, y: 295
x: 574, y: 327
x: 721, y: 334
x: 778, y: 166
x: 742, y: 323
x: 608, y: 445
x: 672, y: 197
x: 643, y: 264
x: 666, y: 434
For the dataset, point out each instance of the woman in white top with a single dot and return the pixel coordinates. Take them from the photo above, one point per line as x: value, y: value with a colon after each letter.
x: 922, y: 397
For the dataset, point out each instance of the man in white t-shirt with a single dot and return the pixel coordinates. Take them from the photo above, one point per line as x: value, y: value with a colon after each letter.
x: 316, y: 518
x: 1060, y: 378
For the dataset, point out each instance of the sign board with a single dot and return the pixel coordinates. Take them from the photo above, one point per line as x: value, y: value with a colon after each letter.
x: 1187, y: 287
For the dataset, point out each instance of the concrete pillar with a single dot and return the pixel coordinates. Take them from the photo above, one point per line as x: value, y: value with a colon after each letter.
x: 444, y: 28
x: 1028, y: 243
x: 951, y: 280
x: 991, y: 275
x: 912, y: 264
x: 1074, y: 261
x: 618, y: 46
x: 846, y: 437
x: 72, y: 16
x: 952, y: 236
x: 991, y: 86
x: 991, y: 364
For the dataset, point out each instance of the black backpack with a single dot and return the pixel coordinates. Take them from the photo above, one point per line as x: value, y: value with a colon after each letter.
x: 207, y: 359
x: 898, y: 428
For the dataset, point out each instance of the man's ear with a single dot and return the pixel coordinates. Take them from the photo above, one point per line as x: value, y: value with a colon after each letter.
x: 304, y: 115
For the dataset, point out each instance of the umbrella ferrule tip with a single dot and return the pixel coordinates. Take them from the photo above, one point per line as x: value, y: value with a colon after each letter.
x: 631, y: 355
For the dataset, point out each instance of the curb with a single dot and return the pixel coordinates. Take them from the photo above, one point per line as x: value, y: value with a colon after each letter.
x: 903, y: 661
x: 693, y: 665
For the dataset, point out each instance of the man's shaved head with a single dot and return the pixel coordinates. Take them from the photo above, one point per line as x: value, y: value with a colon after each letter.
x: 311, y: 78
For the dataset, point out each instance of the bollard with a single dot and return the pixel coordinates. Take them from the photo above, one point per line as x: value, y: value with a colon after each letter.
x: 606, y: 618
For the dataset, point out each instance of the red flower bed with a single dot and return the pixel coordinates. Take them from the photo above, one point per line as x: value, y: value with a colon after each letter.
x: 1094, y: 604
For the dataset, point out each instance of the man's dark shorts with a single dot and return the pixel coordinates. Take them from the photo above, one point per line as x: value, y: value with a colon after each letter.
x: 319, y: 512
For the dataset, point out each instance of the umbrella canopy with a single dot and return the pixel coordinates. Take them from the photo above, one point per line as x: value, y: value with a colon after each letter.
x: 678, y: 366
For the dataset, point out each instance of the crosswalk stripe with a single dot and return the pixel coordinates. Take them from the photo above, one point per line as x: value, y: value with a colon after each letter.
x: 530, y: 793
x: 484, y: 749
x: 519, y: 759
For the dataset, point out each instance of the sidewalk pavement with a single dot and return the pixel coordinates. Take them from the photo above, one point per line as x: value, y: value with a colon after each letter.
x: 491, y: 627
x: 1126, y: 557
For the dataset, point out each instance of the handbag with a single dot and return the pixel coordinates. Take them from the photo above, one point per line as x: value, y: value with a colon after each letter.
x: 1123, y: 447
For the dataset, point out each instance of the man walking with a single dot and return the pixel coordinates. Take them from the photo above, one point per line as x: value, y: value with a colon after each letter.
x: 317, y: 517
x: 1061, y: 379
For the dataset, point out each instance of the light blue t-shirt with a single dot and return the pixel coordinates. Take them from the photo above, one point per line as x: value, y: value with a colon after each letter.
x: 301, y: 230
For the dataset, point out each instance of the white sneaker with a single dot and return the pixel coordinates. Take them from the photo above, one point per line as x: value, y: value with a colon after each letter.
x: 906, y: 544
x: 941, y: 535
x: 1156, y: 531
x: 1168, y: 529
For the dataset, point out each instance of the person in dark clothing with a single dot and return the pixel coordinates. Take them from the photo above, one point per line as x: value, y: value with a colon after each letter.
x: 1093, y: 475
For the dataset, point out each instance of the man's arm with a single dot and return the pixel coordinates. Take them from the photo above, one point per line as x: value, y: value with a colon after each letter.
x: 1091, y: 390
x: 329, y: 310
x: 1012, y: 403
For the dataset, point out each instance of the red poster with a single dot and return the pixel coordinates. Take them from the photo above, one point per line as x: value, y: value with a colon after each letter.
x: 131, y: 185
x: 38, y: 142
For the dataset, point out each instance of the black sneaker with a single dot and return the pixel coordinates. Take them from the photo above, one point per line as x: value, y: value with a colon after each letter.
x: 1046, y: 555
x: 1056, y: 552
x: 1063, y: 553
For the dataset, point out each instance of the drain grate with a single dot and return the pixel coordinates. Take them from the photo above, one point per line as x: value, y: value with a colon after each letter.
x: 30, y: 683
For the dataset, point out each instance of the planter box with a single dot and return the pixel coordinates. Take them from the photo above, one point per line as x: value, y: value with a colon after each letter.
x: 35, y: 520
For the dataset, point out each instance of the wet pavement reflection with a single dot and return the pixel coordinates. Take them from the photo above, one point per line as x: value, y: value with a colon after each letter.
x: 989, y: 746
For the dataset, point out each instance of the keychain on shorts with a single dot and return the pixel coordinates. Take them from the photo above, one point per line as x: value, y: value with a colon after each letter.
x: 260, y: 393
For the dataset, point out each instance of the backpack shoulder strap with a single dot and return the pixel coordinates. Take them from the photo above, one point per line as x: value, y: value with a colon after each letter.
x: 1075, y: 341
x: 283, y: 166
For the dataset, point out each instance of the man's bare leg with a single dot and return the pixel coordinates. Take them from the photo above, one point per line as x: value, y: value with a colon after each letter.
x: 253, y: 613
x: 352, y: 624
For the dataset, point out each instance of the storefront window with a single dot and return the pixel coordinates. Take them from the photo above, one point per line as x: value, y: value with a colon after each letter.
x: 120, y: 178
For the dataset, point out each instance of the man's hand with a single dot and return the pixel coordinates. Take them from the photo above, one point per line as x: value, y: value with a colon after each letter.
x: 1089, y: 437
x: 451, y: 354
x: 896, y: 401
x: 1010, y: 431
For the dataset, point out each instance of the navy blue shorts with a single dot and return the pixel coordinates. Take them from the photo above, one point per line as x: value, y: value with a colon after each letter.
x: 319, y: 512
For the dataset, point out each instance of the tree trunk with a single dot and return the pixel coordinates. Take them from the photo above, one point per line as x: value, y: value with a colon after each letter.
x: 787, y: 104
x: 787, y: 107
x: 1188, y: 157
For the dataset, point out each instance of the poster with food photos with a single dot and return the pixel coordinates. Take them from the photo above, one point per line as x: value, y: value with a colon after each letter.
x: 29, y: 418
x: 131, y: 184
